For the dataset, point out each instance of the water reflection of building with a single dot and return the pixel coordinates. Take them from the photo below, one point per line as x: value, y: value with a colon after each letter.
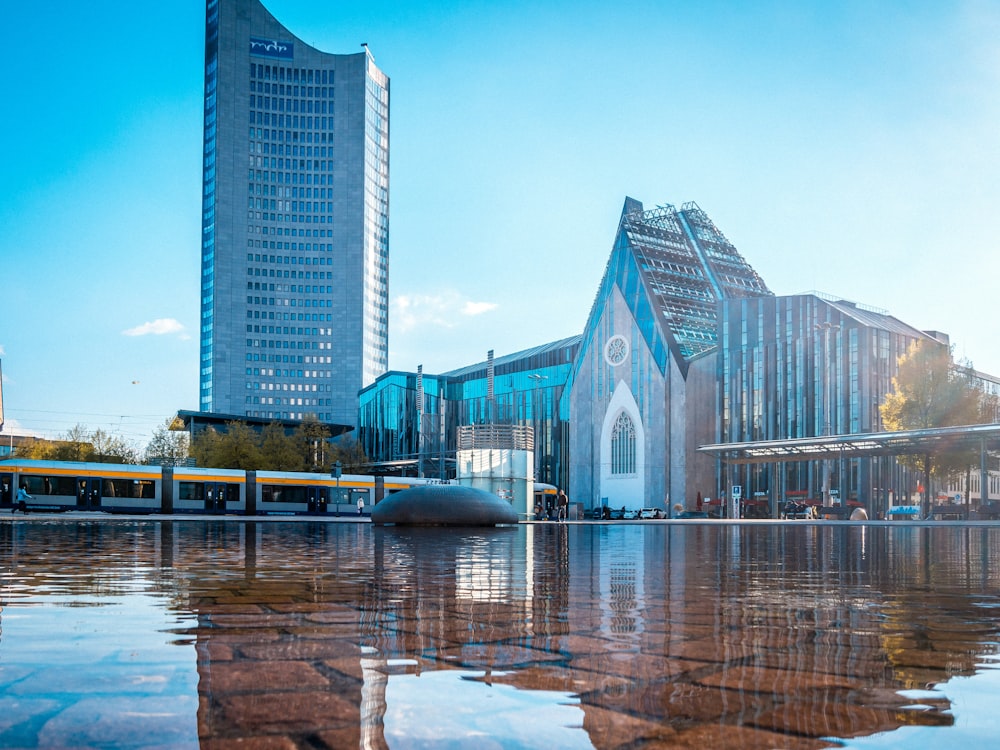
x: 664, y: 633
x: 696, y: 635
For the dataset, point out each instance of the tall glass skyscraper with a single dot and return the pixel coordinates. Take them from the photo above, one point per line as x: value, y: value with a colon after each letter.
x: 295, y: 221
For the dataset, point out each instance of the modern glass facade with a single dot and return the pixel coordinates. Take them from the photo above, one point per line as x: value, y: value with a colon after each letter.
x: 409, y: 421
x: 295, y: 215
x: 805, y: 366
x: 684, y: 347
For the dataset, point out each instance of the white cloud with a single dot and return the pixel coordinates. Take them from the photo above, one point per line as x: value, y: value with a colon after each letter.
x: 410, y: 311
x: 478, y: 308
x: 13, y: 427
x: 157, y: 328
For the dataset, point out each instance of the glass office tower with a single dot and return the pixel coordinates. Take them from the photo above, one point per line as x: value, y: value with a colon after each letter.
x: 295, y: 221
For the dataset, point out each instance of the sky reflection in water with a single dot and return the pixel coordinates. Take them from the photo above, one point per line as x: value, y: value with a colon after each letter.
x: 124, y: 633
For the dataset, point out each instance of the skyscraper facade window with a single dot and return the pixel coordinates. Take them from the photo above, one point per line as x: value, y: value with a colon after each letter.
x: 295, y: 221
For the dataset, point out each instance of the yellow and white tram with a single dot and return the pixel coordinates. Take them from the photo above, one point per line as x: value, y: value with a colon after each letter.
x: 120, y: 488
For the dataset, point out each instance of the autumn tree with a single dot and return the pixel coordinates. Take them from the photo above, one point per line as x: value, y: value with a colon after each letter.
x: 930, y: 391
x: 36, y: 449
x: 236, y: 448
x: 307, y: 448
x: 80, y: 444
x: 279, y: 451
x: 111, y: 448
x: 74, y: 445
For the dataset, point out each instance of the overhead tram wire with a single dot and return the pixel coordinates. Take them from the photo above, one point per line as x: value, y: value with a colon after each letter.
x: 114, y: 423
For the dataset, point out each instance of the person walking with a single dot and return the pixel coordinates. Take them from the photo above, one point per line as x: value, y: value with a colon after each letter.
x: 361, y: 505
x: 22, y: 499
x: 562, y: 506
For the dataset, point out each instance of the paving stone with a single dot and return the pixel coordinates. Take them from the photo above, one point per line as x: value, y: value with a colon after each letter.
x: 308, y: 711
x: 257, y: 676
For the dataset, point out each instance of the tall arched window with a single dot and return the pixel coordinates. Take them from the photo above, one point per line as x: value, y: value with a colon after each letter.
x: 623, y: 445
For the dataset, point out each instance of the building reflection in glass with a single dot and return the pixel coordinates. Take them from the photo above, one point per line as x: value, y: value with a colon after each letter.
x: 552, y: 635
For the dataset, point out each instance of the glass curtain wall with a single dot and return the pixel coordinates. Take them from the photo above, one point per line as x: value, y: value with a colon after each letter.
x: 804, y: 366
x: 396, y: 424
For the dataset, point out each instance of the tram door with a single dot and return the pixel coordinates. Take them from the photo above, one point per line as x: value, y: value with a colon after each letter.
x: 215, y: 497
x: 6, y: 490
x: 317, y: 497
x: 88, y: 493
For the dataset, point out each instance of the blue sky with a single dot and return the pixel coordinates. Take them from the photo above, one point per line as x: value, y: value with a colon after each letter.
x: 847, y: 147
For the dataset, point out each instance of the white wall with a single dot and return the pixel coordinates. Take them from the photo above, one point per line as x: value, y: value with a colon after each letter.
x: 502, y: 472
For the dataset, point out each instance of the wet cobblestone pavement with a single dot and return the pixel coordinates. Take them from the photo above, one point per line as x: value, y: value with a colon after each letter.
x: 224, y: 634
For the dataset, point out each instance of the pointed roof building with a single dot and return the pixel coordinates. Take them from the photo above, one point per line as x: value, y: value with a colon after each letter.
x: 655, y: 315
x: 672, y: 268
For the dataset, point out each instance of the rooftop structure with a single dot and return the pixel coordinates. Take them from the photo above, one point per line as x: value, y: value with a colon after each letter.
x: 685, y: 266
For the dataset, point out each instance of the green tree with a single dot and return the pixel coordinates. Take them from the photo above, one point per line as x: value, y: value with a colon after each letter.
x: 929, y: 391
x: 351, y: 455
x: 168, y: 447
x: 313, y: 438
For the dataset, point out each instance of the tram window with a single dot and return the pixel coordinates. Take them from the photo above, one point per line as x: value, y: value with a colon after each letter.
x: 191, y: 490
x: 275, y: 493
x: 50, y: 485
x: 130, y: 488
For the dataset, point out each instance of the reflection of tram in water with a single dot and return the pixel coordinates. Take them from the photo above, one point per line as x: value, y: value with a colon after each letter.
x: 123, y: 488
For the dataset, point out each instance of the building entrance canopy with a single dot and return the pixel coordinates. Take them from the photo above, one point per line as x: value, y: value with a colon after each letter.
x: 981, y: 437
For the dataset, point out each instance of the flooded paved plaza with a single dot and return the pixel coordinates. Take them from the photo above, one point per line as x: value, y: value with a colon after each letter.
x: 224, y: 633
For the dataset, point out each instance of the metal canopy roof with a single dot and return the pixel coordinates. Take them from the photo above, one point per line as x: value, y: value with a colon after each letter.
x: 907, y: 442
x: 194, y: 421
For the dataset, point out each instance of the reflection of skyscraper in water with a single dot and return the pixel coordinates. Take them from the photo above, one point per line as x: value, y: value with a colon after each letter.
x: 374, y: 680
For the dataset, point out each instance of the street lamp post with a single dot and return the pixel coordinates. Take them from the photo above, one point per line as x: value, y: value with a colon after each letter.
x: 826, y: 381
x: 537, y: 379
